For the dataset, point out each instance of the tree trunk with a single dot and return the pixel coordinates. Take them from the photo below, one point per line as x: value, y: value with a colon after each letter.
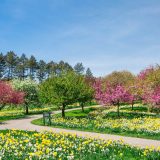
x: 132, y: 105
x: 118, y: 109
x: 63, y: 110
x: 82, y: 105
x: 23, y: 74
x: 26, y: 105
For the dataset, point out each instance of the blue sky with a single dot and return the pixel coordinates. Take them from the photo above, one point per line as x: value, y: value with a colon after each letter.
x: 105, y: 35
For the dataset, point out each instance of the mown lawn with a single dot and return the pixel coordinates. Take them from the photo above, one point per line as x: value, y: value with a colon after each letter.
x: 9, y: 114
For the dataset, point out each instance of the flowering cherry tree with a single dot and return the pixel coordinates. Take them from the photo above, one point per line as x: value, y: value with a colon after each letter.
x: 144, y: 73
x: 155, y: 98
x: 99, y: 95
x: 135, y: 94
x: 111, y: 95
x: 149, y: 80
x: 9, y: 96
x: 152, y: 97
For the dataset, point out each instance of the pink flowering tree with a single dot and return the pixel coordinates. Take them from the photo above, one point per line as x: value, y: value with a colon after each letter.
x: 155, y: 99
x: 99, y: 95
x: 111, y: 95
x: 9, y: 96
x: 135, y: 95
x: 152, y: 97
x: 144, y: 73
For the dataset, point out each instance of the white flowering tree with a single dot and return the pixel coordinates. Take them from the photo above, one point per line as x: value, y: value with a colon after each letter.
x: 30, y: 88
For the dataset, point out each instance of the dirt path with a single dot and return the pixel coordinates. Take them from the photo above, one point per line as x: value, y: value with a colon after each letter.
x: 25, y: 124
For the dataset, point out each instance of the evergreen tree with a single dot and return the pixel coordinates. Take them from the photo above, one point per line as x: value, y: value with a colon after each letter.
x: 11, y: 62
x: 68, y: 67
x: 12, y: 66
x: 21, y: 67
x: 63, y: 67
x: 2, y: 65
x: 41, y: 71
x: 51, y: 68
x: 89, y: 73
x: 32, y: 66
x: 79, y: 68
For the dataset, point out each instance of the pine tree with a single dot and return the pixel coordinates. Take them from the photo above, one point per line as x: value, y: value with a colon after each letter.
x: 11, y: 62
x: 79, y: 68
x: 32, y: 66
x: 21, y: 67
x: 2, y: 65
x: 51, y: 68
x: 89, y: 73
x: 41, y: 71
x: 63, y: 67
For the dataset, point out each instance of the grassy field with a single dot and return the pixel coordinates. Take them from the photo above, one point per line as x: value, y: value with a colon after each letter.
x: 9, y: 114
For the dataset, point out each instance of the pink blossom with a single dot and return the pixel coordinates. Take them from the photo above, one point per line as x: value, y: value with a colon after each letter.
x: 111, y: 95
x: 9, y: 96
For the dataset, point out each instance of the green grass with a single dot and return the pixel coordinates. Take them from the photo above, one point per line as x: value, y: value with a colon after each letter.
x: 19, y: 113
x: 78, y: 113
x: 10, y: 117
x: 129, y: 115
x: 136, y: 108
x: 10, y: 114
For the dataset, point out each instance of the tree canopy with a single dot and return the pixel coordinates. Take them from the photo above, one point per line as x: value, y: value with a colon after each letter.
x: 22, y: 67
x: 63, y: 90
x: 9, y: 96
x: 30, y: 88
x: 124, y: 78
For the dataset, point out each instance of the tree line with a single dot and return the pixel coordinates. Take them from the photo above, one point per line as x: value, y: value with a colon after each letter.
x: 21, y: 67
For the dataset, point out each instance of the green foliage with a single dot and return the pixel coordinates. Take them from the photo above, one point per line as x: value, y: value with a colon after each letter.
x: 2, y: 65
x: 21, y: 66
x: 62, y: 89
x: 41, y: 71
x: 79, y: 68
x: 32, y: 65
x: 11, y: 61
x: 30, y: 88
x: 124, y: 78
x: 152, y: 77
x: 89, y: 73
x: 85, y: 92
x: 65, y: 89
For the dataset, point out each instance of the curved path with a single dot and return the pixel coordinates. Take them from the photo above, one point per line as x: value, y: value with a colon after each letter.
x: 25, y: 124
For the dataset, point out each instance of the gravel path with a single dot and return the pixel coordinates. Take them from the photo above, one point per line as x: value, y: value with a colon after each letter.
x: 25, y: 124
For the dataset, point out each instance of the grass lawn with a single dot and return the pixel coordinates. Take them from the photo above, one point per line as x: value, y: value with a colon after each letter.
x: 18, y: 145
x: 136, y: 108
x: 129, y: 124
x: 78, y: 113
x: 19, y: 113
